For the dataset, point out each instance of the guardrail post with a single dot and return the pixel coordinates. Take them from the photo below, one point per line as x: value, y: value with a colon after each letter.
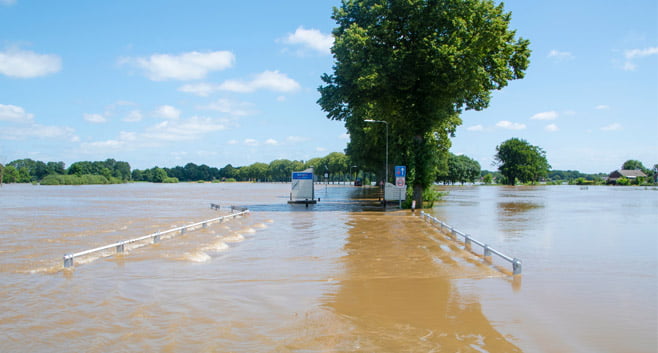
x: 467, y: 241
x: 156, y: 238
x: 182, y: 231
x: 68, y: 260
x: 205, y: 225
x: 516, y: 266
x: 487, y: 253
x: 120, y: 247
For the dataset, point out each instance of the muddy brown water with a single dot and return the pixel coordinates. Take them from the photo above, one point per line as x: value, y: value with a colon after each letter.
x: 340, y: 276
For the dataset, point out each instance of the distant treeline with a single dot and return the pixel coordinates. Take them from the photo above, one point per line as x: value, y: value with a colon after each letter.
x: 553, y: 177
x: 27, y: 170
x: 337, y: 166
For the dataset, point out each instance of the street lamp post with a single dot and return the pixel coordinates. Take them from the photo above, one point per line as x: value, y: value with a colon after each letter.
x: 382, y: 121
x: 354, y: 166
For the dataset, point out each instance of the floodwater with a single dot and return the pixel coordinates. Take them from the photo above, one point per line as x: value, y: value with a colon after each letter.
x: 339, y: 276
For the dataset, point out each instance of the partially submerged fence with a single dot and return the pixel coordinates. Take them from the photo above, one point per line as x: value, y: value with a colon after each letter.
x: 468, y: 240
x: 155, y: 237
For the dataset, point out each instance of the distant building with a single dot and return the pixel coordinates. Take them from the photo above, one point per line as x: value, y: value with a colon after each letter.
x: 625, y: 173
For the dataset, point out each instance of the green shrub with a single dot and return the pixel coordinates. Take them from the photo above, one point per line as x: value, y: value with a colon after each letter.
x: 623, y: 181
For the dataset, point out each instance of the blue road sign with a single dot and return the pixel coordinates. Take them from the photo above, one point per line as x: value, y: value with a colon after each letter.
x: 302, y: 176
x: 400, y: 171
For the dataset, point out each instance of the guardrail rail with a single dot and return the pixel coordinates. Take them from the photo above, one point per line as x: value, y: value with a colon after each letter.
x: 468, y: 240
x: 120, y: 245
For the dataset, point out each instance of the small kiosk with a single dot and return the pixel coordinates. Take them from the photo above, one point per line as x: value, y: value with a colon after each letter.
x: 302, y: 189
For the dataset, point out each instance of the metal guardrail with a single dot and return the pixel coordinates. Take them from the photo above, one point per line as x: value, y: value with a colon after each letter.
x: 468, y: 240
x: 120, y: 245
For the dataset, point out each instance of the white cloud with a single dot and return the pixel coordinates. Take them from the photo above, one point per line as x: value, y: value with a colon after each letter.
x: 95, y: 118
x: 629, y: 66
x: 250, y: 142
x: 560, y: 55
x: 271, y: 142
x: 27, y: 128
x: 37, y: 131
x: 510, y: 125
x: 269, y: 80
x: 345, y: 136
x: 639, y: 53
x: 167, y: 112
x: 633, y: 54
x: 232, y: 142
x: 26, y: 64
x: 133, y: 116
x: 200, y: 89
x: 311, y: 39
x: 183, y: 130
x: 602, y: 107
x: 230, y: 107
x: 296, y: 139
x: 7, y: 2
x: 15, y: 114
x: 475, y: 128
x: 612, y: 127
x: 103, y: 145
x: 187, y: 66
x: 125, y: 138
x: 551, y: 128
x: 550, y: 115
x: 320, y: 149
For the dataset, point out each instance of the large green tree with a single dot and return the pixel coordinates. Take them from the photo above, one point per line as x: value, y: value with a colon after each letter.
x: 416, y: 64
x: 519, y: 160
x: 461, y: 169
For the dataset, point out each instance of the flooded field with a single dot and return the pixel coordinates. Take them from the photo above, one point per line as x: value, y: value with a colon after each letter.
x: 341, y: 276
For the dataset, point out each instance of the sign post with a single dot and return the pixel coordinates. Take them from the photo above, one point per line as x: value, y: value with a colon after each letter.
x: 400, y: 180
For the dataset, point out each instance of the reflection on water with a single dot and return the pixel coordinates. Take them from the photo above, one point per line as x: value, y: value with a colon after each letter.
x: 398, y: 296
x: 590, y: 263
x: 343, y: 275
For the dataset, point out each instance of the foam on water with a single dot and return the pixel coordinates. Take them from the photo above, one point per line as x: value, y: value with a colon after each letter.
x: 197, y: 256
x: 217, y: 246
x: 234, y: 238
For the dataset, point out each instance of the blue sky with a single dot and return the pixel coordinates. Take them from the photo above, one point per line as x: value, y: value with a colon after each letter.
x: 216, y: 82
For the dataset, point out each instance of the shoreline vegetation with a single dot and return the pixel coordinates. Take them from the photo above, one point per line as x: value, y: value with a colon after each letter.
x: 333, y: 168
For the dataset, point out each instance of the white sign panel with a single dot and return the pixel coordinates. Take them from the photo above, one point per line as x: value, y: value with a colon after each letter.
x: 302, y: 185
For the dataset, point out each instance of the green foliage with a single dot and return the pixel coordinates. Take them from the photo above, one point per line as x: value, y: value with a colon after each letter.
x: 416, y: 64
x: 519, y: 160
x: 461, y: 169
x: 109, y: 168
x: 169, y: 180
x: 633, y: 164
x: 488, y: 178
x: 85, y: 179
x: 623, y: 181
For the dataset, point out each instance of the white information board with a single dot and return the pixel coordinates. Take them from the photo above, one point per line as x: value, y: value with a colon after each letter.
x: 302, y: 185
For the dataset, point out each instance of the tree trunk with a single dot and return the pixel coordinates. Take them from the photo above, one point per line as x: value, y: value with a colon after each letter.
x: 418, y: 195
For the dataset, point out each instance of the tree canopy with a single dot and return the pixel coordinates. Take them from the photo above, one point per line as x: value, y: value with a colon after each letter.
x: 416, y: 64
x: 461, y: 169
x: 519, y: 160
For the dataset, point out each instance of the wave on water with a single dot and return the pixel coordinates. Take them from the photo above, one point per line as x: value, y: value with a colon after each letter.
x: 217, y: 246
x: 197, y: 256
x: 234, y: 238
